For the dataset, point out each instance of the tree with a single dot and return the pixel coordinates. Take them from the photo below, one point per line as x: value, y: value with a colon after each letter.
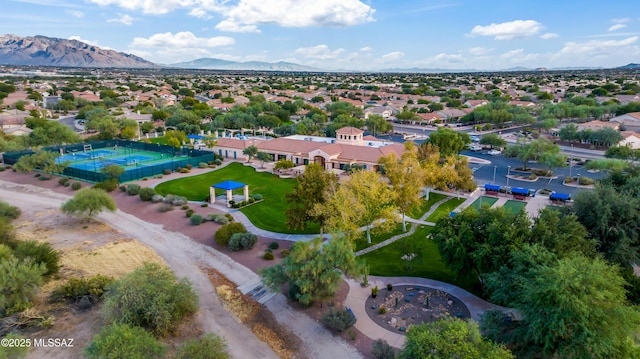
x: 313, y: 269
x: 310, y: 190
x: 263, y: 157
x: 450, y: 338
x: 44, y: 161
x: 528, y: 151
x: 250, y: 152
x: 124, y: 341
x: 493, y: 140
x: 88, y: 202
x: 378, y: 124
x: 553, y: 160
x: 575, y: 308
x: 449, y: 141
x: 175, y: 138
x: 283, y: 165
x: 406, y: 177
x: 363, y: 200
x: 112, y: 172
x: 151, y: 297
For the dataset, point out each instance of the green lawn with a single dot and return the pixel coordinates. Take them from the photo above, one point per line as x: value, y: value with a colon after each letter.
x: 159, y: 140
x: 513, y: 206
x: 361, y: 243
x: 428, y: 263
x: 484, y: 201
x: 268, y: 214
x: 425, y: 205
x: 445, y: 209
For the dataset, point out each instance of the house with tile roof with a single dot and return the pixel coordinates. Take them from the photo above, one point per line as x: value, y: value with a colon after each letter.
x: 629, y: 121
x: 350, y: 147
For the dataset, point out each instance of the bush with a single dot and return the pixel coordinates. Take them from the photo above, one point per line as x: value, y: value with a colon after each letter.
x: 63, y: 181
x: 229, y: 217
x: 157, y: 198
x: 217, y: 162
x: 274, y: 245
x: 196, y: 219
x: 93, y: 288
x: 382, y: 350
x: 44, y: 178
x: 124, y: 341
x: 225, y: 232
x: 268, y: 256
x: 166, y: 172
x: 210, y: 346
x: 123, y: 188
x: 240, y: 241
x: 165, y: 207
x: 147, y: 193
x: 251, y: 200
x: 9, y: 211
x: 188, y: 213
x: 2, y: 169
x: 285, y: 253
x: 133, y: 189
x: 382, y: 310
x: 184, y: 170
x: 76, y: 186
x: 202, y: 165
x: 40, y: 253
x: 179, y: 201
x: 151, y: 297
x: 585, y: 181
x: 257, y: 197
x: 169, y: 198
x: 204, y: 205
x: 189, y: 166
x: 339, y: 320
x: 185, y: 207
x: 109, y: 185
x: 217, y: 218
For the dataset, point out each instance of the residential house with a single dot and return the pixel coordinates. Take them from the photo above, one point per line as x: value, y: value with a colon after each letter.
x: 629, y: 121
x: 631, y: 139
x: 475, y: 103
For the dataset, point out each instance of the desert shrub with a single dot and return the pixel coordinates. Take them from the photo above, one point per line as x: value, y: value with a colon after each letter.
x: 19, y: 280
x: 382, y: 350
x: 109, y: 185
x: 189, y: 166
x: 37, y: 175
x: 150, y: 297
x: 204, y: 205
x: 9, y: 211
x: 146, y: 193
x: 2, y: 169
x: 179, y: 201
x: 268, y: 256
x: 257, y: 197
x: 382, y: 310
x: 541, y: 172
x: 40, y: 253
x: 240, y: 241
x: 224, y: 233
x: 166, y: 172
x: 133, y: 189
x: 585, y: 181
x: 218, y: 218
x: 232, y: 202
x: 169, y: 198
x: 44, y: 178
x: 13, y: 351
x: 217, y: 162
x: 339, y: 320
x: 124, y: 341
x: 63, y: 181
x: 165, y: 207
x: 274, y: 245
x: 157, y: 198
x: 251, y: 200
x: 184, y: 170
x: 76, y: 186
x: 93, y: 287
x: 229, y: 217
x: 209, y: 346
x: 532, y: 177
x: 188, y: 213
x: 195, y: 219
x: 285, y: 253
x: 202, y: 165
x: 185, y: 207
x: 123, y: 188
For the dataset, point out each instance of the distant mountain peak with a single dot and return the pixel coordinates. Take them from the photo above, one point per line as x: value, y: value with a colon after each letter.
x: 219, y: 64
x: 50, y: 51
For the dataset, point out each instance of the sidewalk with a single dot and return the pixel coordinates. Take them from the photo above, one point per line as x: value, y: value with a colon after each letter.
x: 357, y: 296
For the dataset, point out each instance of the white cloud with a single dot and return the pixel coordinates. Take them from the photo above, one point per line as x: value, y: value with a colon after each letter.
x: 320, y: 52
x: 248, y: 14
x: 620, y: 20
x: 392, y: 56
x: 447, y: 58
x: 90, y: 42
x: 596, y: 47
x: 75, y: 13
x: 616, y: 27
x: 508, y: 30
x: 123, y: 19
x: 183, y: 39
x: 549, y: 35
x: 478, y: 51
x: 366, y: 49
x: 147, y: 6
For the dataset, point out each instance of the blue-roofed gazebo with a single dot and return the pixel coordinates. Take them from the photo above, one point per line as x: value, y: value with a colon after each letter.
x: 228, y: 186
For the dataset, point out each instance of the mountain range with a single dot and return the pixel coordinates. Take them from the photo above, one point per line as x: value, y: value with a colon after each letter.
x: 48, y: 51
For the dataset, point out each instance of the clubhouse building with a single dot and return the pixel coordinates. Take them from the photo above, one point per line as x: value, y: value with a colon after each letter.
x: 349, y: 147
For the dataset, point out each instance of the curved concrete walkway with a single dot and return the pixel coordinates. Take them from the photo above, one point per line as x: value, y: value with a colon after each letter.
x: 357, y: 296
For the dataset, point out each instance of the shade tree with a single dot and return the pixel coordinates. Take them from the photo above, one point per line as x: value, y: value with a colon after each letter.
x: 89, y: 202
x: 311, y: 189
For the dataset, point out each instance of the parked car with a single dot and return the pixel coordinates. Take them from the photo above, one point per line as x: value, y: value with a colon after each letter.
x: 494, y: 152
x: 475, y: 139
x: 475, y: 148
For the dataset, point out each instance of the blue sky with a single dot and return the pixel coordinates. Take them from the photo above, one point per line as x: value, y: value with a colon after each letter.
x: 347, y: 34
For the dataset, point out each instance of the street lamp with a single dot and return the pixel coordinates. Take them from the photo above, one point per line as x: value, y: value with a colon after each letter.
x: 508, y: 173
x: 571, y: 161
x: 494, y: 174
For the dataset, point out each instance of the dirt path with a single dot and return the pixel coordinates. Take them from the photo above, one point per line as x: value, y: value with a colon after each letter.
x: 180, y: 253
